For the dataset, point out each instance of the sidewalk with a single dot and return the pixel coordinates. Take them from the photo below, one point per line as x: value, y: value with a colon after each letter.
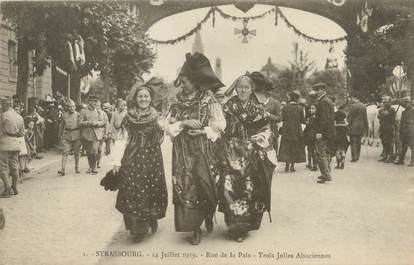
x: 40, y: 165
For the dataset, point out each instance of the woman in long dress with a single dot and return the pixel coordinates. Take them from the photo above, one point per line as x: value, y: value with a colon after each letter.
x: 248, y: 160
x: 142, y: 196
x: 194, y: 123
x: 292, y: 147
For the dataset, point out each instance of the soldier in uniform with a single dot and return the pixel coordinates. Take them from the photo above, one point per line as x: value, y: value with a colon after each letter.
x: 107, y: 108
x: 116, y: 127
x: 386, y: 117
x: 71, y: 136
x: 105, y: 131
x: 92, y: 124
x: 11, y: 128
x: 407, y: 132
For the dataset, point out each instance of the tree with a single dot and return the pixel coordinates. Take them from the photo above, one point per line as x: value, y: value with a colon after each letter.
x: 371, y: 58
x: 293, y: 78
x: 115, y: 42
x: 300, y: 67
x: 334, y: 80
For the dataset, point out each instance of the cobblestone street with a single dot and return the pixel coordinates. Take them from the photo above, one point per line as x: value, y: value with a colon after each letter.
x: 365, y: 214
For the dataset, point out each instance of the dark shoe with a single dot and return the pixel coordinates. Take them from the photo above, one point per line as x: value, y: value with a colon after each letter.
x: 292, y: 169
x: 314, y: 169
x: 287, y: 168
x: 94, y: 172
x: 209, y: 224
x: 337, y: 167
x: 240, y: 239
x: 138, y: 237
x: 38, y: 157
x: 388, y: 161
x: 323, y: 180
x: 196, y: 239
x: 154, y: 226
x: 6, y: 194
x: 342, y: 165
x: 353, y: 160
x: 382, y: 159
x: 77, y: 170
x: 411, y: 164
x: 399, y: 162
x: 89, y: 171
x: 98, y: 166
x: 15, y: 192
x: 61, y: 172
x: 26, y: 170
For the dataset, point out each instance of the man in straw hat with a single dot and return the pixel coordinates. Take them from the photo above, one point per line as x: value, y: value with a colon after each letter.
x: 407, y: 131
x: 12, y: 127
x: 92, y: 122
x: 325, y: 132
x: 70, y: 136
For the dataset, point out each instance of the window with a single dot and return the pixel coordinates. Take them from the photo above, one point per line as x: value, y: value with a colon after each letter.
x: 12, y: 49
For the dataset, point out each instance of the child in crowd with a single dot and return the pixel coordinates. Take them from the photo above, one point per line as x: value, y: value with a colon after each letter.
x: 341, y: 137
x: 309, y: 137
x: 30, y: 140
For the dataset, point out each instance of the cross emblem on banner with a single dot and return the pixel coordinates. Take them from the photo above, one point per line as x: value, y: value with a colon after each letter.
x: 245, y: 32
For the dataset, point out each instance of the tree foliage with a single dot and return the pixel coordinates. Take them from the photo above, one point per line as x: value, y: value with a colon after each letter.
x: 371, y: 58
x: 334, y: 80
x: 115, y: 42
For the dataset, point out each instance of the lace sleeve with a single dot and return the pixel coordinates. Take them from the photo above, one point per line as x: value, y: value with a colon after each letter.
x: 170, y: 125
x: 216, y: 123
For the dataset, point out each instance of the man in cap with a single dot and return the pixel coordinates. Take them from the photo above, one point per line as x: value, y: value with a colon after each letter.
x: 11, y: 128
x: 71, y: 136
x: 101, y: 131
x: 107, y: 108
x: 92, y: 122
x: 325, y: 132
x: 116, y: 122
x: 274, y: 110
x: 386, y: 117
x: 358, y: 126
x: 406, y: 131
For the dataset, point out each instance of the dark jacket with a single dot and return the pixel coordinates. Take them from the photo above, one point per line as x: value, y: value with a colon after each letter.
x: 273, y: 107
x: 325, y: 118
x: 407, y: 126
x: 386, y: 117
x: 310, y: 129
x: 357, y: 119
x: 292, y: 116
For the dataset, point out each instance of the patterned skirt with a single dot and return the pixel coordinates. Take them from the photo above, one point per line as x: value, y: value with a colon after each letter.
x: 142, y: 195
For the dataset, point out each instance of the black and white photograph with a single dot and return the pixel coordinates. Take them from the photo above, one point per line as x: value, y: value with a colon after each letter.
x: 214, y: 132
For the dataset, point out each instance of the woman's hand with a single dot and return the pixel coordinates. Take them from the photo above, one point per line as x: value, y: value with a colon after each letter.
x: 116, y: 169
x: 194, y: 124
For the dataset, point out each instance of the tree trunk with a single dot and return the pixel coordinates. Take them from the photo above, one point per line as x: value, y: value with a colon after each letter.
x: 23, y: 70
x: 75, y: 94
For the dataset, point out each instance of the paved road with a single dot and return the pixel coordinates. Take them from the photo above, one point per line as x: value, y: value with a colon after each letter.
x: 365, y: 215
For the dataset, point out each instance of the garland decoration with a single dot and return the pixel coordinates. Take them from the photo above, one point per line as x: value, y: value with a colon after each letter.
x: 235, y: 18
x: 188, y: 34
x: 278, y: 13
x: 305, y: 36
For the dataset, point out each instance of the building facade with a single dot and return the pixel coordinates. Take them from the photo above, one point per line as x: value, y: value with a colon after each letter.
x: 38, y: 86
